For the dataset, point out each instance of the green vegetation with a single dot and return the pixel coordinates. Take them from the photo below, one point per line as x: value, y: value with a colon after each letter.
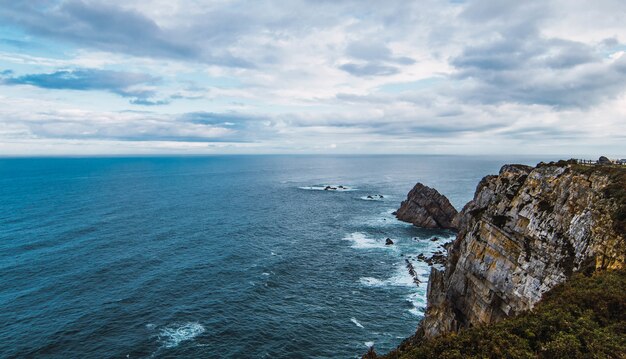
x: 582, y: 318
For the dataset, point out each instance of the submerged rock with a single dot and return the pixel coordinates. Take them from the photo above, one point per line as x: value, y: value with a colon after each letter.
x: 409, y: 267
x: 425, y: 207
x: 388, y: 242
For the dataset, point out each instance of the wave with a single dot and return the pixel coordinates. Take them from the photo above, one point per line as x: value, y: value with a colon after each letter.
x: 360, y: 241
x: 329, y: 188
x: 172, y: 336
x: 375, y: 197
x: 402, y: 278
x: 356, y: 322
x: 398, y: 280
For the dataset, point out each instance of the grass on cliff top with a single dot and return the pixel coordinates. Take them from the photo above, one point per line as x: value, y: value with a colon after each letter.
x: 582, y: 318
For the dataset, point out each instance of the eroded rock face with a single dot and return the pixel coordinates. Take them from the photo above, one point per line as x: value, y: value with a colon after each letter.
x: 526, y: 230
x: 425, y: 207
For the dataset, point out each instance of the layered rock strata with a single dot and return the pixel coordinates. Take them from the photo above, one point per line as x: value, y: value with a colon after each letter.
x: 526, y: 230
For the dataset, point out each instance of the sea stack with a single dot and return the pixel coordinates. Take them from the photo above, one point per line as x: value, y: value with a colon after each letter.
x: 427, y: 208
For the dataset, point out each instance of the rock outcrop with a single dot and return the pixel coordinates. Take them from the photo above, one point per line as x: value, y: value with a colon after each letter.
x: 425, y: 207
x: 526, y: 230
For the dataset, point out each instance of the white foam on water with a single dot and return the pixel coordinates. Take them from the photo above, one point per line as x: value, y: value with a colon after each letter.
x: 356, y: 322
x: 418, y: 300
x: 383, y: 219
x: 402, y: 278
x: 172, y: 336
x: 398, y: 280
x: 265, y: 273
x: 324, y: 186
x: 360, y: 241
x: 375, y: 197
x: 371, y: 282
x: 369, y: 344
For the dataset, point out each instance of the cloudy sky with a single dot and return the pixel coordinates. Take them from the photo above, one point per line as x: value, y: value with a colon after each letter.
x: 295, y: 76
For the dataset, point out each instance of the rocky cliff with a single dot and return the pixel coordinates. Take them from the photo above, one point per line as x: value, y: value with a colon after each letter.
x: 526, y: 230
x: 425, y: 207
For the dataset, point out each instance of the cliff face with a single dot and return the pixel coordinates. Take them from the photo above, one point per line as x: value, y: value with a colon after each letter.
x: 425, y: 207
x: 526, y: 230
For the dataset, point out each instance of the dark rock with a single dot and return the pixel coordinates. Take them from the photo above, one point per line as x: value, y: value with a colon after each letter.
x: 388, y: 242
x: 434, y: 239
x: 604, y: 161
x: 437, y: 258
x: 409, y: 267
x: 425, y: 207
x: 370, y: 197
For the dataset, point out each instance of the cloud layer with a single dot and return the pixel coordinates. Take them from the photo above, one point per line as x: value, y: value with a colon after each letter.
x: 313, y: 76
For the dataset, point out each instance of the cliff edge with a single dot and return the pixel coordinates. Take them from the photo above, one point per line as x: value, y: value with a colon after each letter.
x: 526, y: 230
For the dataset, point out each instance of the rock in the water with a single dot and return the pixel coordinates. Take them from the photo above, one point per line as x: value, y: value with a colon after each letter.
x: 425, y: 207
x: 409, y: 267
x: 388, y: 242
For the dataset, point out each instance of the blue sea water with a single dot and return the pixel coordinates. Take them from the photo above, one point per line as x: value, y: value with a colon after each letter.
x: 216, y: 257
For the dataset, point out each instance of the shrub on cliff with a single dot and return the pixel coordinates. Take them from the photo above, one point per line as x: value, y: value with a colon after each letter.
x: 582, y: 318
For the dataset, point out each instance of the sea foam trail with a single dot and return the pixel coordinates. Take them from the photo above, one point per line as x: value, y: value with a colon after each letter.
x: 172, y: 336
x: 356, y: 322
x: 329, y: 188
x: 361, y: 241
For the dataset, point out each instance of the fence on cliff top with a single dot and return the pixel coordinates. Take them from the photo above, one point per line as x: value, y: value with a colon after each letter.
x: 600, y: 163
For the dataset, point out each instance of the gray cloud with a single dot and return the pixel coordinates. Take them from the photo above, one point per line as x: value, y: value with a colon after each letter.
x: 375, y: 52
x: 110, y: 28
x: 518, y: 64
x: 369, y: 69
x: 375, y: 59
x: 129, y: 126
x: 118, y: 82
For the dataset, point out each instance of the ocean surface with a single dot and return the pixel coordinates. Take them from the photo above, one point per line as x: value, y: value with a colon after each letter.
x: 216, y: 257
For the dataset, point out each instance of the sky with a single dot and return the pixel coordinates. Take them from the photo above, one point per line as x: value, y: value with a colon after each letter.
x: 82, y: 77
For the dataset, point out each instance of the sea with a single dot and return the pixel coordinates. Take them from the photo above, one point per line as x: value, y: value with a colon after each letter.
x: 217, y: 256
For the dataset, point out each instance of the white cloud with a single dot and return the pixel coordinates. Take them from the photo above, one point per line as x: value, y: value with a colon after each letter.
x: 348, y: 76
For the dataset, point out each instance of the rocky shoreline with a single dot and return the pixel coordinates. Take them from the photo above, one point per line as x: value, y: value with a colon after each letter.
x: 527, y: 230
